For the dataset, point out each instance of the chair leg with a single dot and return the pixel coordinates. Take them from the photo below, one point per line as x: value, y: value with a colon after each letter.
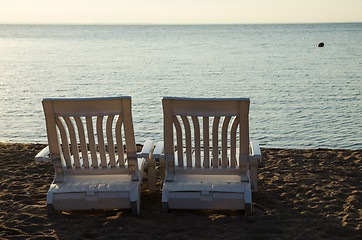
x: 162, y: 169
x: 50, y: 209
x: 165, y: 207
x: 248, y: 209
x: 151, y: 179
x: 134, y: 208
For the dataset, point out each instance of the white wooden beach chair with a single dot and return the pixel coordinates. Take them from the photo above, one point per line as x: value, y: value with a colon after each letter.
x: 86, y: 147
x: 202, y: 172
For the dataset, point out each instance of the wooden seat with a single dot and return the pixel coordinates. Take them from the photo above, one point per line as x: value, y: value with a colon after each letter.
x: 92, y: 147
x: 210, y: 163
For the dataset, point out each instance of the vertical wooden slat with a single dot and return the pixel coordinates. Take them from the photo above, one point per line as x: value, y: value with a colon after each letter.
x: 196, y: 124
x: 130, y: 141
x: 53, y: 140
x: 82, y: 141
x: 234, y: 127
x: 65, y: 144
x: 111, y: 153
x: 224, y: 141
x: 54, y: 146
x: 169, y: 145
x: 186, y: 123
x: 92, y: 144
x: 73, y: 141
x: 179, y: 141
x: 100, y: 138
x: 244, y: 128
x: 215, y: 142
x: 119, y: 141
x: 206, y: 134
x: 244, y: 139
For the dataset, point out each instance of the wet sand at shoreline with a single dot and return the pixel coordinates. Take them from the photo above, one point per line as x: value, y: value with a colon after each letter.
x: 302, y: 194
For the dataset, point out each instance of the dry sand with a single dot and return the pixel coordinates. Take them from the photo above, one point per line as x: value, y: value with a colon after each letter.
x: 303, y: 194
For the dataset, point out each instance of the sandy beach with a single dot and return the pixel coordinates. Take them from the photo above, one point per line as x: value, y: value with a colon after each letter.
x: 303, y: 194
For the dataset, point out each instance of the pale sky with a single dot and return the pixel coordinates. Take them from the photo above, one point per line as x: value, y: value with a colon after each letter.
x: 178, y: 11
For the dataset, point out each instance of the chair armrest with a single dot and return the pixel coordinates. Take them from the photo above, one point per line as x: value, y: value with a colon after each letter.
x: 255, y: 150
x: 43, y: 155
x: 158, y: 152
x: 147, y: 149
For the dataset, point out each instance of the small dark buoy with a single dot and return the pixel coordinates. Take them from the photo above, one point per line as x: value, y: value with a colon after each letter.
x: 321, y: 44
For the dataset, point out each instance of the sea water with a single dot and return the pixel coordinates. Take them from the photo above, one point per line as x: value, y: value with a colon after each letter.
x: 302, y: 96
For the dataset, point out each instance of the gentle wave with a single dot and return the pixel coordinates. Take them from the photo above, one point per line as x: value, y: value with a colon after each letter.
x: 301, y: 96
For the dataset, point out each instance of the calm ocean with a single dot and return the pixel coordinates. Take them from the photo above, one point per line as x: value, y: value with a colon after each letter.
x: 302, y: 96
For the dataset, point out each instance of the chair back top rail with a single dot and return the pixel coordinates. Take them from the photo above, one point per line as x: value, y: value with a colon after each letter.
x: 86, y: 106
x: 206, y: 106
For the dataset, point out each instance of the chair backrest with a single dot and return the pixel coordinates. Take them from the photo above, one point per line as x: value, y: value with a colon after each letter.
x: 83, y: 131
x: 228, y: 120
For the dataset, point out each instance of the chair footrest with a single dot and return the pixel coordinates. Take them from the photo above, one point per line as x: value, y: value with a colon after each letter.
x: 213, y: 200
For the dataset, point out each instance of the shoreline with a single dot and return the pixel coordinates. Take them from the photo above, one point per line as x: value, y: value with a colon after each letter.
x: 302, y: 193
x: 262, y: 148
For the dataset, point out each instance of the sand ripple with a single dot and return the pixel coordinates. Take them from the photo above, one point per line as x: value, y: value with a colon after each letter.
x: 312, y: 194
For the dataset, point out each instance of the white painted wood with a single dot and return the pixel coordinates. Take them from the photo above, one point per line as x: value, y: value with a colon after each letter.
x: 130, y: 140
x: 169, y: 147
x: 179, y: 141
x: 73, y: 142
x: 254, y: 156
x: 196, y: 124
x: 92, y: 144
x: 119, y: 141
x: 158, y: 153
x: 83, y: 143
x: 65, y: 144
x: 221, y: 182
x: 188, y: 149
x: 255, y: 149
x: 148, y: 145
x: 43, y: 155
x: 206, y: 142
x: 111, y: 152
x: 233, y: 134
x: 100, y: 137
x: 224, y: 142
x: 215, y: 142
x: 86, y: 172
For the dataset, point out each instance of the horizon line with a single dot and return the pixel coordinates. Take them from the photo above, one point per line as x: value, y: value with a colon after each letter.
x: 180, y: 24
